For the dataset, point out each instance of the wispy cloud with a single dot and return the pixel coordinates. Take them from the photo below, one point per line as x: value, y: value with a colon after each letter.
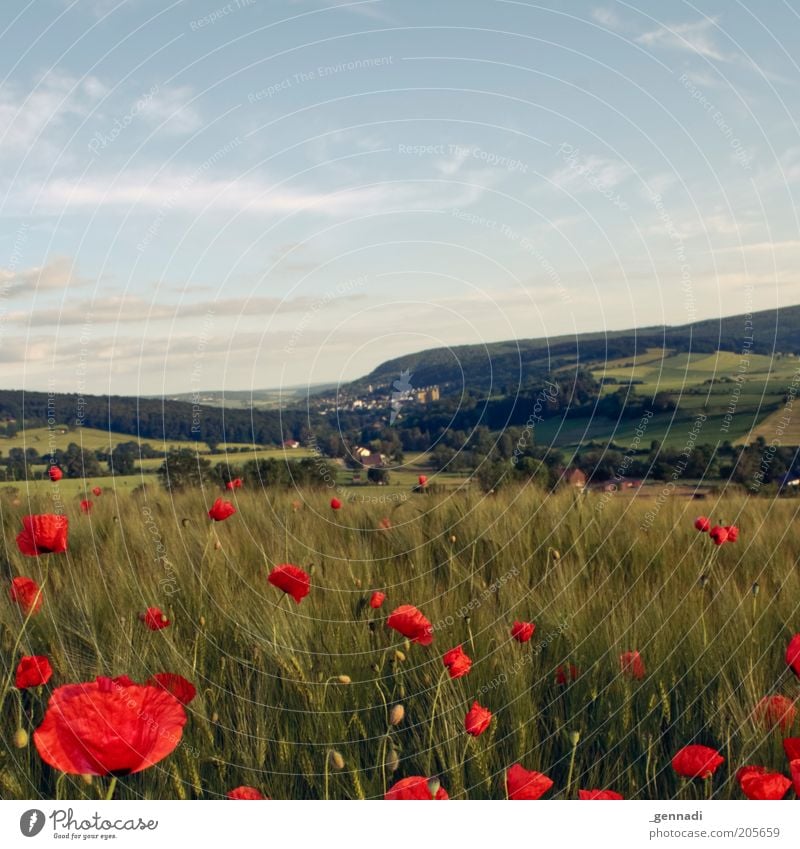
x: 57, y: 274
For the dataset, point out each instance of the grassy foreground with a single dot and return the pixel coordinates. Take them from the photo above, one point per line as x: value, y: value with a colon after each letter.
x: 271, y: 706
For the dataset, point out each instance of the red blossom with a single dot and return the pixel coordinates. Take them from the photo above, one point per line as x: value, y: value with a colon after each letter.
x: 27, y: 594
x: 458, y: 664
x: 292, y: 580
x: 604, y: 795
x: 336, y: 504
x: 221, y: 510
x: 522, y: 631
x: 416, y: 788
x: 631, y: 664
x: 757, y: 783
x: 55, y: 474
x: 526, y: 784
x: 105, y: 727
x: 703, y: 524
x: 696, y: 761
x: 377, y: 599
x: 43, y: 534
x: 775, y: 710
x: 565, y: 674
x: 183, y: 690
x: 154, y: 618
x: 32, y: 671
x: 411, y: 623
x: 477, y: 720
x: 793, y: 654
x: 246, y: 793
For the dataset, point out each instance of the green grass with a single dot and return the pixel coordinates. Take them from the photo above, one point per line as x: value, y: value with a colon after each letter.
x: 269, y: 708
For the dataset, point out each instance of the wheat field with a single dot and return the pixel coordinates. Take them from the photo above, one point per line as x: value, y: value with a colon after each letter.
x: 300, y: 700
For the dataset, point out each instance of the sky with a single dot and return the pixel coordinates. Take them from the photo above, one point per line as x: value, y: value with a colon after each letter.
x: 231, y: 196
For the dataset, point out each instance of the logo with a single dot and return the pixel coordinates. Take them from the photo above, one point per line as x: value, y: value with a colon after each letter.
x: 31, y: 822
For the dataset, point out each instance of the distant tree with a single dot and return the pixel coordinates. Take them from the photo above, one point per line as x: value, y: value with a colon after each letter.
x: 183, y: 468
x: 378, y: 475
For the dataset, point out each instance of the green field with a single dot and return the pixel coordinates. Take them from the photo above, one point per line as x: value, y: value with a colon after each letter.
x: 270, y: 707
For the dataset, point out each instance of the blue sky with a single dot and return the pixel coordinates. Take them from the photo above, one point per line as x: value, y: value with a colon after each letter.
x: 201, y: 195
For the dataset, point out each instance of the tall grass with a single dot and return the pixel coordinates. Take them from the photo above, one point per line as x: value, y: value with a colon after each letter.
x: 272, y: 705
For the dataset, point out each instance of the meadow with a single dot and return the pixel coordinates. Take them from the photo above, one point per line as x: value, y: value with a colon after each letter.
x: 300, y: 700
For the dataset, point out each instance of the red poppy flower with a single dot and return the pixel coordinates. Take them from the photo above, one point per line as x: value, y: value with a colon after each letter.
x: 55, y: 474
x: 107, y: 728
x: 43, y: 534
x: 605, y: 795
x: 336, y: 504
x: 631, y: 664
x: 183, y: 690
x: 775, y: 710
x: 457, y: 663
x: 154, y: 618
x: 757, y: 783
x: 422, y: 480
x: 27, y: 594
x: 221, y: 510
x: 245, y: 792
x: 526, y: 784
x: 292, y: 580
x: 793, y: 654
x: 719, y: 534
x: 522, y: 631
x: 33, y: 671
x: 702, y: 524
x: 123, y: 681
x: 477, y: 720
x: 697, y: 761
x: 377, y: 599
x: 794, y: 768
x: 416, y: 788
x: 565, y: 674
x: 86, y: 505
x: 385, y: 523
x: 236, y: 483
x: 411, y: 624
x: 791, y: 745
x: 733, y: 533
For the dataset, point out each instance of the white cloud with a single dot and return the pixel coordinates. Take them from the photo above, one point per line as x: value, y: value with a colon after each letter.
x: 57, y: 274
x: 694, y: 37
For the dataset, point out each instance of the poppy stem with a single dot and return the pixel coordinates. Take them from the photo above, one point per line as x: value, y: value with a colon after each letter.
x: 31, y: 610
x: 112, y: 786
x: 433, y: 713
x: 571, y: 766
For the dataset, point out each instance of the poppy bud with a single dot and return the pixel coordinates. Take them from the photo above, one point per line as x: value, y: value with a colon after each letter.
x: 392, y: 760
x: 453, y: 538
x: 202, y: 621
x: 407, y: 645
x: 185, y: 523
x: 556, y: 554
x: 399, y: 656
x: 358, y: 582
x: 467, y: 620
x: 87, y: 779
x: 703, y: 581
x: 20, y: 738
x: 396, y: 715
x: 215, y: 717
x: 434, y: 785
x: 375, y: 668
x: 574, y: 737
x: 217, y: 545
x: 755, y: 588
x: 335, y: 759
x: 344, y: 679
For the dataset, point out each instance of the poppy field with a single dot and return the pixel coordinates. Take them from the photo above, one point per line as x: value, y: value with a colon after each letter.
x: 254, y: 644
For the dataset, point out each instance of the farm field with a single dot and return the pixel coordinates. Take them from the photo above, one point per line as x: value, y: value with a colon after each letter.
x: 304, y: 700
